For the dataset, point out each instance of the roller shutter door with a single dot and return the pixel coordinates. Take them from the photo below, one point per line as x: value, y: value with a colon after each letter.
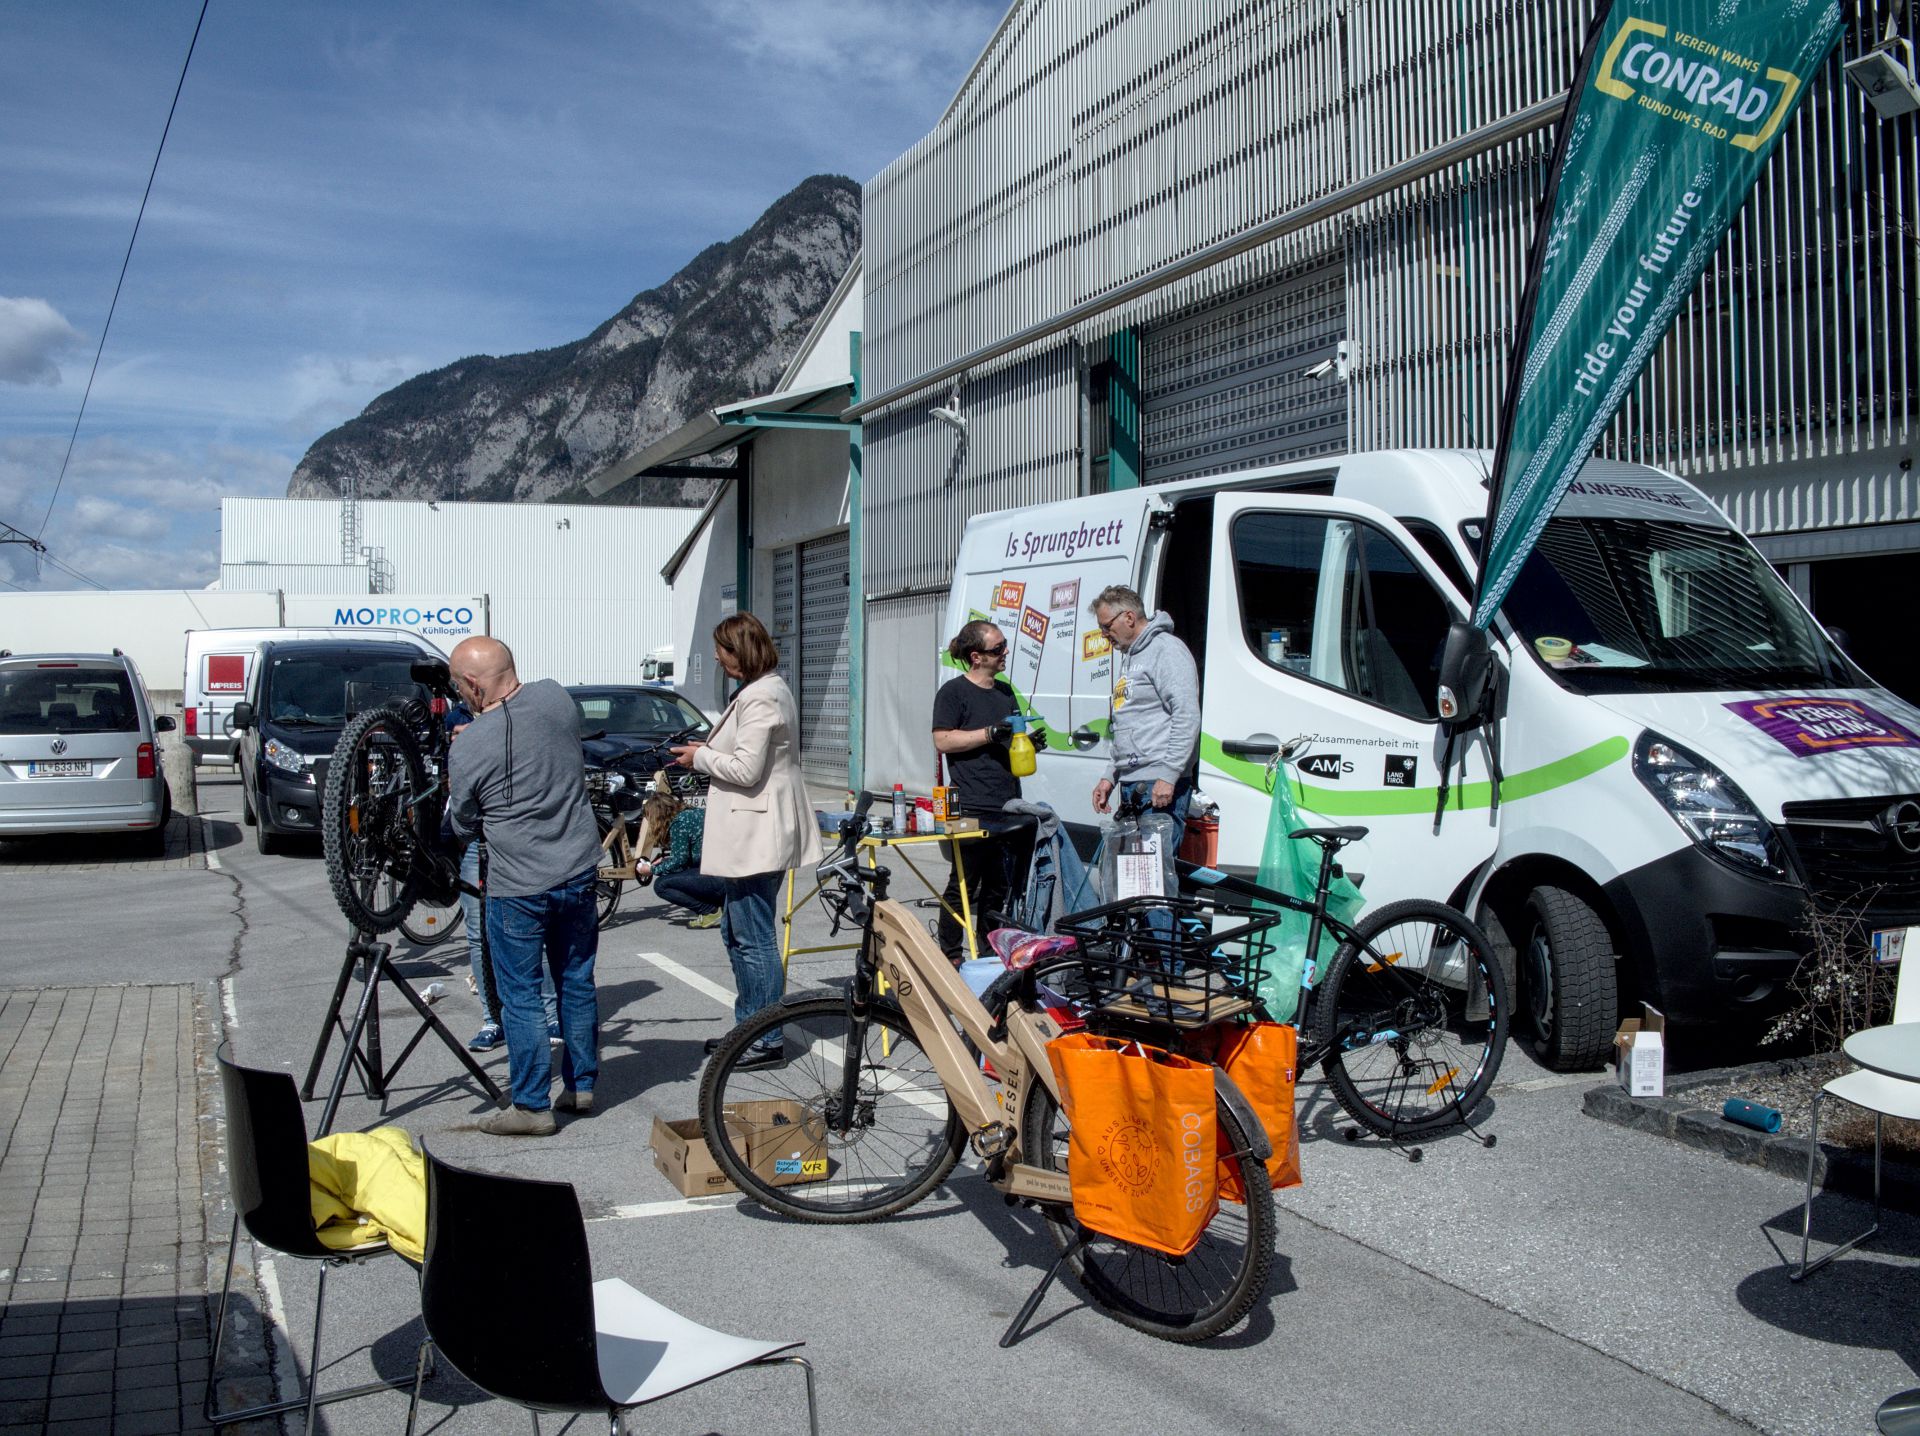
x: 786, y: 613
x: 1224, y: 386
x: 824, y: 732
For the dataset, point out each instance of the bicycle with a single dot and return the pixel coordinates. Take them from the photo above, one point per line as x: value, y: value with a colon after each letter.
x: 887, y: 1078
x: 619, y: 797
x: 1409, y: 1022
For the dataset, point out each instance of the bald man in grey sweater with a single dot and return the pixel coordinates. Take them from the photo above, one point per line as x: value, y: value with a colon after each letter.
x: 516, y: 776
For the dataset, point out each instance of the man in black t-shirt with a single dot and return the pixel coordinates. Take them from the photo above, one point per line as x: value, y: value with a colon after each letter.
x: 972, y: 721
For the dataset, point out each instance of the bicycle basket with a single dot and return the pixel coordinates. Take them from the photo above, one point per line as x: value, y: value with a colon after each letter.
x: 1172, y: 962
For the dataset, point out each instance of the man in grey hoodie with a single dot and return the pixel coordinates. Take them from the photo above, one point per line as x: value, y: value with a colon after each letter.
x: 1154, y: 717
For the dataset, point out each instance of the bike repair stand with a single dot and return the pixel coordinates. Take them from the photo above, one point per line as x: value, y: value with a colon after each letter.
x: 1082, y: 1238
x: 373, y: 963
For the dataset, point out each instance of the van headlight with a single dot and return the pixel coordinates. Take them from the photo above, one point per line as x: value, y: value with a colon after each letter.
x: 1708, y: 806
x: 283, y: 757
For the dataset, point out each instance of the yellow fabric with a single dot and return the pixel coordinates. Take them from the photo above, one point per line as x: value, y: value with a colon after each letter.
x: 369, y: 1186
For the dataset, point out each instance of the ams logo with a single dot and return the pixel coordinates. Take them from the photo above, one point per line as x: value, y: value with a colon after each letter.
x: 1324, y: 765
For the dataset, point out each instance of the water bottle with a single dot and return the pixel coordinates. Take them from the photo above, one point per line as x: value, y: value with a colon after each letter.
x: 1020, y: 757
x: 1276, y: 646
x: 900, y: 809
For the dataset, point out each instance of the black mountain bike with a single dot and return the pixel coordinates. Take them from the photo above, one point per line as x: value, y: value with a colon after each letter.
x: 1408, y: 1019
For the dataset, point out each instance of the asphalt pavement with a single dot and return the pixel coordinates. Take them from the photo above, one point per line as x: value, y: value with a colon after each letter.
x: 1575, y: 1277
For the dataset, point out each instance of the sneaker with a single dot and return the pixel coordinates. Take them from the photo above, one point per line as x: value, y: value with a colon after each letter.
x: 706, y: 919
x: 487, y: 1038
x: 757, y: 1057
x: 472, y: 986
x: 580, y: 1102
x: 520, y: 1122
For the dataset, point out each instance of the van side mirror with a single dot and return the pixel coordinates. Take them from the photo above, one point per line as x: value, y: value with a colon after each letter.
x: 1842, y: 640
x: 164, y: 723
x: 1466, y: 664
x: 242, y: 716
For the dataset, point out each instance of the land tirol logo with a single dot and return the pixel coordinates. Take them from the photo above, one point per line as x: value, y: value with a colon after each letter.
x: 1701, y: 84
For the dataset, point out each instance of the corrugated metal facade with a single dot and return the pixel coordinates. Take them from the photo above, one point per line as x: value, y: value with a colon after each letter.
x: 574, y: 589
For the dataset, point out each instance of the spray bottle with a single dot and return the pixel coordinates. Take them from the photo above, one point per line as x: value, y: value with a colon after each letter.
x: 1020, y: 749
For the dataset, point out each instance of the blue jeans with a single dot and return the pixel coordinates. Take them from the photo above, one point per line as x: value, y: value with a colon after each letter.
x: 473, y: 909
x: 557, y: 929
x: 691, y: 888
x: 746, y: 926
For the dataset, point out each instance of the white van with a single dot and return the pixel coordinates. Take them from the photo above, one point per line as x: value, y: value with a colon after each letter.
x: 1686, y: 758
x: 219, y: 663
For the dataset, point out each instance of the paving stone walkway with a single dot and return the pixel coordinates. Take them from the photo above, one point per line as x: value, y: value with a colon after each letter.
x: 109, y: 852
x: 106, y: 1229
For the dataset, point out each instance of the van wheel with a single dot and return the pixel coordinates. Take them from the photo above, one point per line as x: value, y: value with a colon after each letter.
x: 1568, y: 987
x: 266, y: 842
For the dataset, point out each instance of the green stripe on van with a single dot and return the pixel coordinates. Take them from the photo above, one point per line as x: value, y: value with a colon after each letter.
x: 1385, y: 802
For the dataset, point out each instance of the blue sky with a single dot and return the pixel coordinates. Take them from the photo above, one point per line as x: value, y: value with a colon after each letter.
x: 354, y: 193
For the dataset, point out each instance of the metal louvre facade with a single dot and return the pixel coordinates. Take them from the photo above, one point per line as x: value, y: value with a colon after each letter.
x: 1097, y: 141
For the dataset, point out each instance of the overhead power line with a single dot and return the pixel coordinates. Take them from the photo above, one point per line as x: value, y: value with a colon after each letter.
x: 100, y: 348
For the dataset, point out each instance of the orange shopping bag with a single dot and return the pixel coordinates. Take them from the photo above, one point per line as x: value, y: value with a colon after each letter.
x: 1260, y: 1058
x: 1143, y: 1135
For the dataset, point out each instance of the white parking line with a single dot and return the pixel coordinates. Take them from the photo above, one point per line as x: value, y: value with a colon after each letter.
x: 206, y: 843
x: 227, y: 1004
x: 721, y: 1203
x: 687, y: 975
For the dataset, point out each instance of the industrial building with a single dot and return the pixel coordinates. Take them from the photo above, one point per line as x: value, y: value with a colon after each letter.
x: 573, y: 589
x: 1150, y: 241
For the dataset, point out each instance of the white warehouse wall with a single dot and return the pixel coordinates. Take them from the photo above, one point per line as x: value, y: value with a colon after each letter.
x: 574, y: 589
x: 711, y: 563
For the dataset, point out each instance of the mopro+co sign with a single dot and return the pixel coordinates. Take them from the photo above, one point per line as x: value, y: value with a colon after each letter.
x: 442, y: 619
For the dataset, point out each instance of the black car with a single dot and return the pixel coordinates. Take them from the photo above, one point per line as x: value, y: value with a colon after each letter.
x: 623, y: 725
x: 295, y: 707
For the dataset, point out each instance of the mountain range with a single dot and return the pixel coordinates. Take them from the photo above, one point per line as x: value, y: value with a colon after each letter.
x: 534, y: 427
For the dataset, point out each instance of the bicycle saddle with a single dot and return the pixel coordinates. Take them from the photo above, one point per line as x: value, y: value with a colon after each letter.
x: 1330, y: 837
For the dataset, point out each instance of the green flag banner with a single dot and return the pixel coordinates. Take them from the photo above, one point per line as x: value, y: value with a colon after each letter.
x: 1677, y: 106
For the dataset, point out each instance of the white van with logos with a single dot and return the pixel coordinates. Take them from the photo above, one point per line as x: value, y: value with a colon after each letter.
x: 219, y: 663
x: 1685, y: 758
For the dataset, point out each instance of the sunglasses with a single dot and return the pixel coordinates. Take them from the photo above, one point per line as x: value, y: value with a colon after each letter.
x: 995, y: 652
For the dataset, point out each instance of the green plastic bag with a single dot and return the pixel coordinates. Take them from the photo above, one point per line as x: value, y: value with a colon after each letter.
x: 1292, y: 865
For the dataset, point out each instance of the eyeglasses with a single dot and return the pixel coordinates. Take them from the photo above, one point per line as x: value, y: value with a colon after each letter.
x: 1107, y: 627
x: 995, y: 652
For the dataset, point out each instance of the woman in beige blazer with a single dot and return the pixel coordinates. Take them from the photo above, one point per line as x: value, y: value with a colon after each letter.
x: 760, y: 821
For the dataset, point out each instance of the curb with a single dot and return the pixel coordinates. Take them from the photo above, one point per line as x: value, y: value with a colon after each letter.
x: 1835, y: 1169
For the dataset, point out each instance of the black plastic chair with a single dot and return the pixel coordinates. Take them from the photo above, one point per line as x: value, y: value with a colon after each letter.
x: 572, y: 1344
x: 267, y: 1175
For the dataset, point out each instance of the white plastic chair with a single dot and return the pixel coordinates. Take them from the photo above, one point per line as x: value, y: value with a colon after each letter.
x: 1882, y: 1095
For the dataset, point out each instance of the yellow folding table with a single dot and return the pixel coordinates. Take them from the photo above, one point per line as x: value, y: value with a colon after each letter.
x: 870, y: 847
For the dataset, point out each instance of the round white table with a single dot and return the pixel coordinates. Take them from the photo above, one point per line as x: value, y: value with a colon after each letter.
x: 1892, y: 1051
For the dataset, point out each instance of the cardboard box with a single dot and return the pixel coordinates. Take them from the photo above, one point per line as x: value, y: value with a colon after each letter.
x: 782, y: 1144
x: 681, y: 1154
x: 1640, y: 1055
x: 786, y: 1144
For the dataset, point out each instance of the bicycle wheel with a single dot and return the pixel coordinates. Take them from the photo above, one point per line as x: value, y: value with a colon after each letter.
x: 606, y: 891
x: 903, y: 1136
x: 1190, y: 1298
x: 367, y: 828
x: 431, y: 923
x: 1413, y: 1017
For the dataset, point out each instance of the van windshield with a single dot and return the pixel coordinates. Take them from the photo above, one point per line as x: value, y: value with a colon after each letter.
x: 1619, y: 605
x: 66, y: 697
x: 312, y: 692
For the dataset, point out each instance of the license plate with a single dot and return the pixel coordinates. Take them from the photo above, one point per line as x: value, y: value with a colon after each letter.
x: 60, y: 768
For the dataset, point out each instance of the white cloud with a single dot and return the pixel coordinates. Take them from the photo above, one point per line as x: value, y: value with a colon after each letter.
x: 33, y: 334
x: 902, y: 44
x: 109, y: 519
x: 325, y: 390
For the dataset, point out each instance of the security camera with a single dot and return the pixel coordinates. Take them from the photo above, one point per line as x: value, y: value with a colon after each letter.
x: 1885, y: 76
x: 950, y: 415
x: 1320, y: 370
x: 1340, y: 365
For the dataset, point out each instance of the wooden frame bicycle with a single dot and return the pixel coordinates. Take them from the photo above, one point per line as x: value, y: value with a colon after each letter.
x: 867, y: 1097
